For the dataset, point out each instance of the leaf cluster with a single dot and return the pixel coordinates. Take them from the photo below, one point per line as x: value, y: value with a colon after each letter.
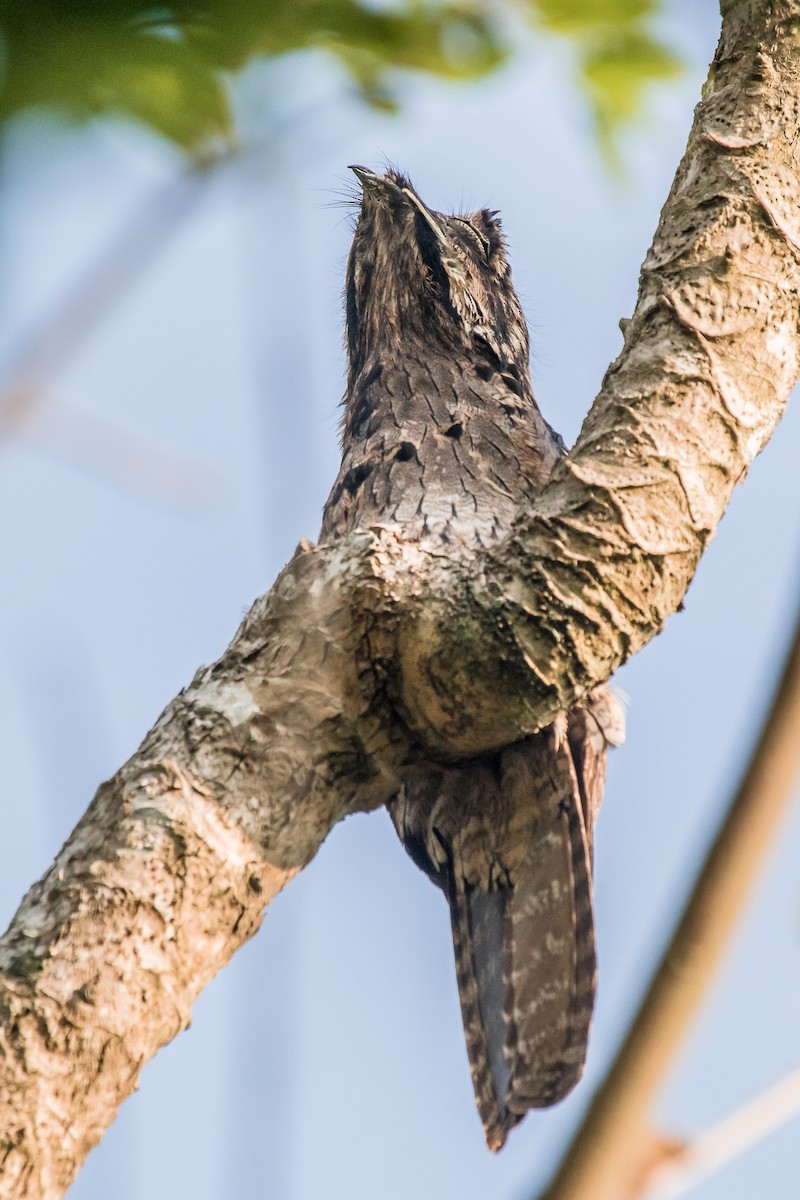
x: 169, y: 65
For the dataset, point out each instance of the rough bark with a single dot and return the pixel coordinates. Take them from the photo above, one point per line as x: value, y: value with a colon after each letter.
x: 169, y: 871
x: 370, y: 654
x: 710, y: 356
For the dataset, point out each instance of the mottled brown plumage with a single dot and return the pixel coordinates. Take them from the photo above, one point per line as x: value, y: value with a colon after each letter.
x: 443, y: 437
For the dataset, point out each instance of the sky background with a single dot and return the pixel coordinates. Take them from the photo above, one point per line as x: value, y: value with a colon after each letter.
x: 180, y: 451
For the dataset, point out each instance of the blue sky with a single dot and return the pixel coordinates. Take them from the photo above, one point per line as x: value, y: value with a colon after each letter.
x: 328, y: 1059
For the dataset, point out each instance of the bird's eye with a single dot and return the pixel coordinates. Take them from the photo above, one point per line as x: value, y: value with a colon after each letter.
x: 476, y: 236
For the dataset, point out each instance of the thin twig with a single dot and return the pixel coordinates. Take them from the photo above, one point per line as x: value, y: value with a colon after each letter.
x: 26, y: 396
x: 614, y: 1152
x: 125, y: 458
x: 729, y: 1138
x: 118, y: 266
x: 134, y: 462
x: 110, y: 277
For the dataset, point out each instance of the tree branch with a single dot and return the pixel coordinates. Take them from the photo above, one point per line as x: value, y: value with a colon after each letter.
x: 169, y: 870
x: 370, y: 654
x: 710, y: 357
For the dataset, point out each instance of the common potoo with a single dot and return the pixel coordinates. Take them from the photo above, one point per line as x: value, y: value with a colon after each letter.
x: 443, y: 437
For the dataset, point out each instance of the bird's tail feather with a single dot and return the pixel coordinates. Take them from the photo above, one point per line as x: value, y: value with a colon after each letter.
x: 481, y: 943
x: 525, y: 961
x: 553, y: 970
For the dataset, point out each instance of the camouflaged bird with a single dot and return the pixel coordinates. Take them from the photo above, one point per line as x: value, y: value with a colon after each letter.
x: 442, y: 437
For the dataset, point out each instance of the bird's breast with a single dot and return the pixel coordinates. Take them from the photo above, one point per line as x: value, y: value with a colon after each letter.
x: 448, y: 451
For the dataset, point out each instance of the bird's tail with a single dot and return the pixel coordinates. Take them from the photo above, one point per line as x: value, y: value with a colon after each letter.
x: 525, y: 959
x: 508, y: 838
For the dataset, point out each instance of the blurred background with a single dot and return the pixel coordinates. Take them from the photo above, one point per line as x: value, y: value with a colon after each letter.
x: 173, y: 245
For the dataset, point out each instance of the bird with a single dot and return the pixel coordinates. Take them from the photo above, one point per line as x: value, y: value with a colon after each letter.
x: 443, y: 440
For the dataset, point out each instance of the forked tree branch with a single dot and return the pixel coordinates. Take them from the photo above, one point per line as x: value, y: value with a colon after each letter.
x: 369, y: 655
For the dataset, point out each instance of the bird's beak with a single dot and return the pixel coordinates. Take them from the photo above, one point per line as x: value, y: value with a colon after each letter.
x: 381, y: 185
x: 375, y: 185
x: 364, y: 176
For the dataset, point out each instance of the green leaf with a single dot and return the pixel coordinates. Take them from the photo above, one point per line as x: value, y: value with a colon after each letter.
x: 573, y: 17
x: 173, y: 90
x: 93, y: 66
x: 617, y: 71
x: 617, y: 57
x: 169, y: 64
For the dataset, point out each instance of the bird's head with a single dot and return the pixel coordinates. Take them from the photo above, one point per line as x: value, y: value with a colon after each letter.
x: 440, y: 280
